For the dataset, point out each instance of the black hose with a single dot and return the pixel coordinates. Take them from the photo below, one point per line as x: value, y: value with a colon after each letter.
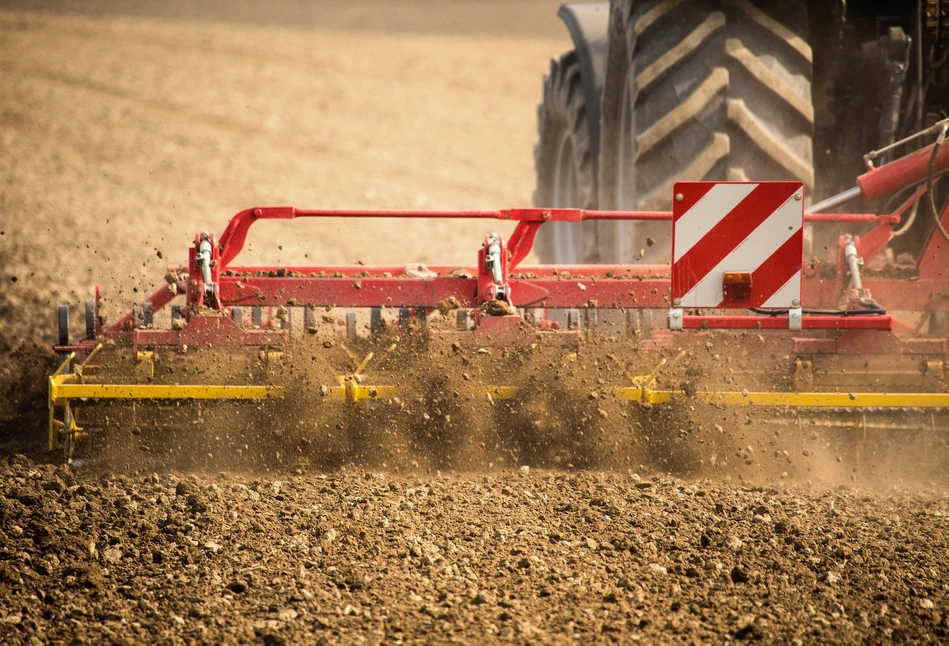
x: 869, y: 308
x: 929, y: 180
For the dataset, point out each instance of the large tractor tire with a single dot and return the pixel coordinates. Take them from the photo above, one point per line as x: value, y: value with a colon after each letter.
x: 702, y: 89
x: 564, y: 164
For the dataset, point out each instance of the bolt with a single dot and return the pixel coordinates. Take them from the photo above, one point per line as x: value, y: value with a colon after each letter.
x: 257, y: 212
x: 677, y: 302
x: 679, y: 197
x: 795, y: 315
x: 797, y: 197
x: 675, y: 315
x: 795, y: 303
x: 546, y: 215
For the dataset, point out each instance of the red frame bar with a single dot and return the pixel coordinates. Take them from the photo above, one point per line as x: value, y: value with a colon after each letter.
x: 567, y: 286
x: 881, y: 322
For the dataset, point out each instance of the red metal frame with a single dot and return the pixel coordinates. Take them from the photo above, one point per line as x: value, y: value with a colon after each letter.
x: 631, y: 286
x: 548, y: 286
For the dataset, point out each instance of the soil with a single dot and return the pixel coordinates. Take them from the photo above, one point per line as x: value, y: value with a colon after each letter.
x: 447, y: 516
x: 526, y: 556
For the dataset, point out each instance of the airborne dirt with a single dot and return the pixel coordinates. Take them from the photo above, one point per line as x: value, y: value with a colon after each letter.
x: 447, y: 516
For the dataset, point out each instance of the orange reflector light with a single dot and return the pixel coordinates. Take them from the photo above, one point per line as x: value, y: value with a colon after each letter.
x: 737, y: 278
x: 736, y: 285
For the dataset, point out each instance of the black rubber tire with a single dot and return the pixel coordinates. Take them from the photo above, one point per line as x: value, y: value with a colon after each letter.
x: 564, y: 165
x: 717, y: 90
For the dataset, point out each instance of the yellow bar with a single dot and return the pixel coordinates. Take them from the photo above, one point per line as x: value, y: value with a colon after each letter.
x: 62, y: 391
x: 792, y: 400
x: 70, y: 357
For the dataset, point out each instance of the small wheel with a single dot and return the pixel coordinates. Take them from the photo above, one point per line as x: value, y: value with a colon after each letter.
x: 351, y: 326
x: 90, y: 319
x: 63, y: 325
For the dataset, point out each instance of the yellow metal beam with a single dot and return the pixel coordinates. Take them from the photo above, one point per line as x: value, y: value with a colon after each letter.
x: 790, y: 400
x: 60, y: 390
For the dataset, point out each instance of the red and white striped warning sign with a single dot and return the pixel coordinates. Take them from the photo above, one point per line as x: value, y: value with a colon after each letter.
x: 747, y: 234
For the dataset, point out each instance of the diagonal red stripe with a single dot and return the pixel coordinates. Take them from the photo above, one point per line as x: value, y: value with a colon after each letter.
x: 691, y: 193
x: 731, y: 231
x: 774, y: 272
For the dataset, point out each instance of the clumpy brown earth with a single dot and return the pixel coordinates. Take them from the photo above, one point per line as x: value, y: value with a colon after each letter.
x: 527, y: 556
x: 128, y: 127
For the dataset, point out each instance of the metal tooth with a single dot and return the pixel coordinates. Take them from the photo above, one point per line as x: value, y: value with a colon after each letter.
x: 633, y: 321
x: 138, y: 316
x: 421, y: 315
x: 404, y: 314
x: 532, y: 316
x: 237, y: 315
x: 257, y: 316
x: 287, y: 323
x: 148, y: 311
x: 90, y: 319
x: 462, y: 319
x: 309, y: 319
x: 175, y: 314
x: 351, y: 332
x: 589, y: 318
x: 375, y: 320
x: 63, y: 320
x: 573, y: 319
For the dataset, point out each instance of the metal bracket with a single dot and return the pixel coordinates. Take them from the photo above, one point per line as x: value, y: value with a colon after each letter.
x: 675, y: 318
x: 796, y: 319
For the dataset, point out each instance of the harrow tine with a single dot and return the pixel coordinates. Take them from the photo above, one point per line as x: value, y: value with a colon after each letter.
x: 90, y: 319
x: 461, y: 320
x: 532, y: 316
x: 63, y: 316
x: 375, y: 321
x: 177, y: 320
x: 351, y: 332
x: 309, y: 319
x: 589, y: 318
x: 257, y: 317
x: 237, y: 315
